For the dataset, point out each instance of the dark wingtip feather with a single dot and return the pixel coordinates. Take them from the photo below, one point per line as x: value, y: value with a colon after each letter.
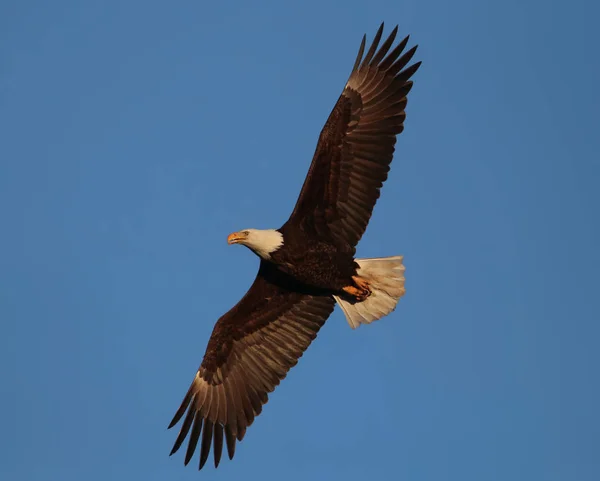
x: 217, y: 444
x: 193, y: 442
x: 385, y: 46
x: 373, y: 47
x: 410, y: 71
x: 393, y: 55
x: 230, y: 439
x: 403, y: 61
x: 206, y: 442
x: 182, y: 408
x: 185, y: 427
x: 361, y: 51
x: 174, y: 421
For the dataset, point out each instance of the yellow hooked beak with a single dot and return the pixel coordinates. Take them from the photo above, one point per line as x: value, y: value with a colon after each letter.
x: 236, y: 237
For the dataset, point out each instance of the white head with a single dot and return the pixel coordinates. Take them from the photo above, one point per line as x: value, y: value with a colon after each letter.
x: 262, y: 242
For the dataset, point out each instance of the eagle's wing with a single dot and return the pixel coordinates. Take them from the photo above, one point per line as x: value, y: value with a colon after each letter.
x: 356, y: 145
x: 250, y: 351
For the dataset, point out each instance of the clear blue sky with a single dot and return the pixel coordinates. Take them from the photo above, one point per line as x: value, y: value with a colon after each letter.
x: 137, y: 135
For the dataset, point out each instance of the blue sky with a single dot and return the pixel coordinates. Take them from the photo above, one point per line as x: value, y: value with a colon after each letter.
x: 137, y: 135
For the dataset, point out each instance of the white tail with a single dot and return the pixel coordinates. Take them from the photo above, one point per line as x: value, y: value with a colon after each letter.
x: 385, y: 276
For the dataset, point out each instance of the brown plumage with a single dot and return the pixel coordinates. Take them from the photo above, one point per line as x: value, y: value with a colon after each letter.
x: 356, y: 145
x: 310, y: 260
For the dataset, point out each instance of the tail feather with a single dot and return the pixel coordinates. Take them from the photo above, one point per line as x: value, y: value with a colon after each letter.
x: 385, y: 276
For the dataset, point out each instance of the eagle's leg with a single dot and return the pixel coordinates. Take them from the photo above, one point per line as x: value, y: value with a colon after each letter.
x: 362, y: 283
x: 360, y: 291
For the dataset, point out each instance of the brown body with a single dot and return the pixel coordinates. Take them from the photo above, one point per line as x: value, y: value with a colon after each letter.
x: 315, y: 261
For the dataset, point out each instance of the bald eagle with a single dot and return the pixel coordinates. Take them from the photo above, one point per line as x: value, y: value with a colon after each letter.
x: 307, y: 265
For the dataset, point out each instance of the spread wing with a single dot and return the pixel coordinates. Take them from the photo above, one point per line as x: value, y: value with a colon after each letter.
x: 250, y: 351
x: 356, y: 145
